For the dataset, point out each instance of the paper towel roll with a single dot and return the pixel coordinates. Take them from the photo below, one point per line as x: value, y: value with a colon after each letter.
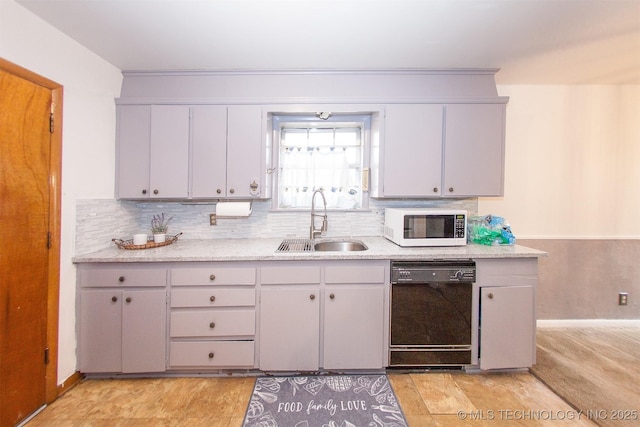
x: 233, y: 209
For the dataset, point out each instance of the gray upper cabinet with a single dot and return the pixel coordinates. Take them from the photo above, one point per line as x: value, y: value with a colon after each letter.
x: 209, y: 151
x: 228, y: 152
x: 184, y: 152
x: 412, y: 150
x: 153, y: 151
x: 474, y: 150
x: 245, y: 152
x: 436, y: 150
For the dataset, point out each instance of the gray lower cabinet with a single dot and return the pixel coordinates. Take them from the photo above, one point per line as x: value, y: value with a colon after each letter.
x: 507, y: 316
x: 323, y: 315
x: 213, y: 317
x: 277, y: 315
x: 122, y: 320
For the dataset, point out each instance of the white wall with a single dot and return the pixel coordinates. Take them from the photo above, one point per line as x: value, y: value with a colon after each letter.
x: 572, y: 162
x: 90, y: 86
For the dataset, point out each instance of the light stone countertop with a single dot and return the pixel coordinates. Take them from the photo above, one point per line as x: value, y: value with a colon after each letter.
x: 248, y: 249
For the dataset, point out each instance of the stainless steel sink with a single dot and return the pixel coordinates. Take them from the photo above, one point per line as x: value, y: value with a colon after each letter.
x: 340, y: 246
x: 308, y: 245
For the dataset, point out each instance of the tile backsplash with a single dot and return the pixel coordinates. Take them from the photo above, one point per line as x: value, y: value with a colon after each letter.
x: 100, y: 220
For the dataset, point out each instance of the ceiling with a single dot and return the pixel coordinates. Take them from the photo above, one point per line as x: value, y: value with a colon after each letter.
x: 532, y: 41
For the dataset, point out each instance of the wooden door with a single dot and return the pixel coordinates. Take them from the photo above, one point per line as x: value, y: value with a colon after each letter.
x: 28, y: 208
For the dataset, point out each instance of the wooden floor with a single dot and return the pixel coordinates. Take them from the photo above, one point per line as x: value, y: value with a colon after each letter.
x: 597, y: 369
x: 427, y: 399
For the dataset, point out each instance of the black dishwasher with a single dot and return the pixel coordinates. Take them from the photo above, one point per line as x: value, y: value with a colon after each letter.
x: 431, y: 304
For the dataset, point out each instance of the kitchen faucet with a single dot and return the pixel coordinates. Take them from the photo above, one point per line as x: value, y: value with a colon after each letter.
x: 313, y: 232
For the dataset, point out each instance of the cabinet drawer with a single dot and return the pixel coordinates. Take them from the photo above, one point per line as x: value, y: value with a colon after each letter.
x: 213, y: 297
x: 355, y: 274
x: 214, y: 354
x: 507, y: 272
x: 117, y: 277
x: 290, y: 275
x: 213, y: 323
x: 213, y: 276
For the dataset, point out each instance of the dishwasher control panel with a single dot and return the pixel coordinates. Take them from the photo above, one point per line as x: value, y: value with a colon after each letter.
x: 433, y: 271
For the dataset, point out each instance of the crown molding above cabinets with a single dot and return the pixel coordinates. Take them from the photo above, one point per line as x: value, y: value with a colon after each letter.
x: 321, y: 86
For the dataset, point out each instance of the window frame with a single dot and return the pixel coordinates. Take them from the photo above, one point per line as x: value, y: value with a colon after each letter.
x: 278, y: 119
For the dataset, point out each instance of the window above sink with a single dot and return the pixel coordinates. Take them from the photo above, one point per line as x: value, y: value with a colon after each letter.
x: 321, y: 150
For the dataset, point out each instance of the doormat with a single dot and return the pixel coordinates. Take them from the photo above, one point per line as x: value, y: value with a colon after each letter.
x: 324, y: 401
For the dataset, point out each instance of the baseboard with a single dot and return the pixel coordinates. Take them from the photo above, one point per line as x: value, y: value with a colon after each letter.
x: 69, y: 383
x: 583, y: 323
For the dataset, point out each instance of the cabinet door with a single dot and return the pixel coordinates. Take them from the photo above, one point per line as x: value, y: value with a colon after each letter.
x: 474, y: 150
x: 353, y: 327
x: 289, y: 329
x: 144, y: 331
x: 245, y: 151
x: 412, y: 150
x: 100, y: 325
x: 507, y: 327
x: 133, y: 145
x: 209, y: 151
x: 169, y: 155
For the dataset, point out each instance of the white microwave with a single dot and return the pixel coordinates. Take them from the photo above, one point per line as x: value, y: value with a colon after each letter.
x: 426, y: 227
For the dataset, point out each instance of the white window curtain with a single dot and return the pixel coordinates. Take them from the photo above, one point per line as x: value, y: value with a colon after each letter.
x: 320, y: 157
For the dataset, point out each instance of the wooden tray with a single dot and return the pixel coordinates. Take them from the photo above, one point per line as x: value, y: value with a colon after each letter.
x: 128, y: 244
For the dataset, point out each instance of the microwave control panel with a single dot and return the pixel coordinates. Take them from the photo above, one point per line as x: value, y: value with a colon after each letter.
x: 460, y: 225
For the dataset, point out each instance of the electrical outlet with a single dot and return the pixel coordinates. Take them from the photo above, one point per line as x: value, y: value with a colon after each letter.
x: 212, y: 219
x: 623, y: 298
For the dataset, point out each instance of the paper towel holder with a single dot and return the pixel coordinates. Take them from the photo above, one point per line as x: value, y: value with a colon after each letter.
x: 233, y: 209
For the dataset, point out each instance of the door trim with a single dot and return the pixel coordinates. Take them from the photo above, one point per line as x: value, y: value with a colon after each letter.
x: 55, y: 173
